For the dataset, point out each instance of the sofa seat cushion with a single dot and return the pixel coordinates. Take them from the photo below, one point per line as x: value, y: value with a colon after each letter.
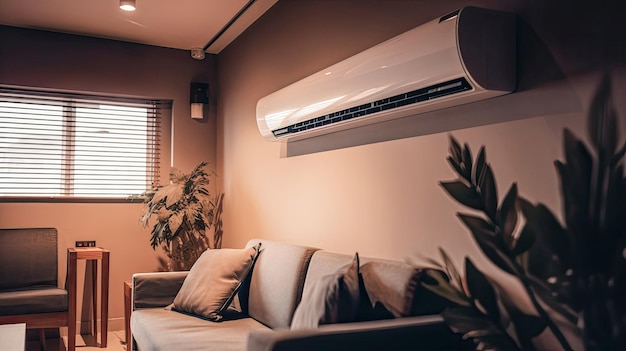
x: 161, y: 329
x: 33, y: 300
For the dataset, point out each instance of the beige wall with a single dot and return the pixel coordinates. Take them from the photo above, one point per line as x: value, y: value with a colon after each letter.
x: 57, y: 61
x: 375, y: 190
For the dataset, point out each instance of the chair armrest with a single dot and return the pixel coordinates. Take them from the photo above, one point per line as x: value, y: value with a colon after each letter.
x: 410, y: 333
x: 150, y: 290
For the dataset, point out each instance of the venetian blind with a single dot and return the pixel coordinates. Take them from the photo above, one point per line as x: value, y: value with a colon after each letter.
x: 58, y: 145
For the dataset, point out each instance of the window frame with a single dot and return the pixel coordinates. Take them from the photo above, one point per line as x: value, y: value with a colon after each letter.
x: 155, y: 119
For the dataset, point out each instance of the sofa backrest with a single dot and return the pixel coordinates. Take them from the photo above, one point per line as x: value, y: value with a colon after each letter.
x: 28, y: 257
x: 396, y: 282
x: 324, y: 263
x: 275, y: 285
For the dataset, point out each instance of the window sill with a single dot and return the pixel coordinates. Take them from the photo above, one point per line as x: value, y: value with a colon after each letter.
x: 102, y: 200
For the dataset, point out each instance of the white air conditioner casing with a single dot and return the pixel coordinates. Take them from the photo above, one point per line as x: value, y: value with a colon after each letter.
x: 462, y: 57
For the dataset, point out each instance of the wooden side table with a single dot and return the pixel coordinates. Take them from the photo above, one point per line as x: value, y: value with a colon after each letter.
x: 94, y: 254
x: 127, y: 311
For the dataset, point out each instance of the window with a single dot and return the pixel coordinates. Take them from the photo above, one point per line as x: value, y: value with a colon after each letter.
x: 69, y: 146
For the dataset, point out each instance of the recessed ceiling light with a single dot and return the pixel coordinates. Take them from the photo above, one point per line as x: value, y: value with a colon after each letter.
x: 127, y: 5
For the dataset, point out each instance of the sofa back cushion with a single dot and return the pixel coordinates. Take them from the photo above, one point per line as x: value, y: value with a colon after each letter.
x: 275, y: 285
x: 28, y: 257
x: 332, y: 299
x: 324, y: 263
x: 392, y: 288
x: 392, y: 284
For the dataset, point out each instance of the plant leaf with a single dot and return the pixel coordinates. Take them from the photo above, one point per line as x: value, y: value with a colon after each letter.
x: 507, y: 216
x: 159, y: 195
x: 480, y: 288
x: 477, y: 224
x: 479, y: 167
x: 437, y: 282
x: 576, y: 175
x: 453, y: 273
x: 495, y: 343
x: 489, y: 193
x: 527, y: 325
x: 524, y: 241
x: 602, y: 120
x: 463, y: 320
x: 617, y: 157
x: 544, y: 293
x: 174, y: 195
x: 175, y: 221
x: 486, y: 241
x: 471, y: 324
x: 145, y: 215
x: 467, y: 161
x: 176, y: 176
x: 457, y: 168
x: 550, y: 235
x: 455, y: 149
x: 463, y: 194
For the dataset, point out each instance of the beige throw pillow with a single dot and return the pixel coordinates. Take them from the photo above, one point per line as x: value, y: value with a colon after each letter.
x: 214, y: 280
x: 332, y: 299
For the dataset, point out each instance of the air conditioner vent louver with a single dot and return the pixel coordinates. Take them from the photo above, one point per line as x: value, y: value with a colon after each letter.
x: 397, y: 101
x: 462, y: 57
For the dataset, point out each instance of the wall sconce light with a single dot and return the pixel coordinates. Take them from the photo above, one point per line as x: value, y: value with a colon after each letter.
x: 127, y: 5
x: 198, y: 97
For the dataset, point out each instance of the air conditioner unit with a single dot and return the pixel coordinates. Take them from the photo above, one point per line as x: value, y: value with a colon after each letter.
x: 465, y: 56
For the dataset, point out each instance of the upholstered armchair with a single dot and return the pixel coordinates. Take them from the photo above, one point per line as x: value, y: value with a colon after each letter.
x: 29, y: 287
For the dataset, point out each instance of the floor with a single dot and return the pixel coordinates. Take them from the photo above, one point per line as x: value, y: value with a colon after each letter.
x: 115, y: 342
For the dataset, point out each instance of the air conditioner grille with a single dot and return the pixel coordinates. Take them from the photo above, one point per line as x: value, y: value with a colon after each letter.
x: 432, y: 92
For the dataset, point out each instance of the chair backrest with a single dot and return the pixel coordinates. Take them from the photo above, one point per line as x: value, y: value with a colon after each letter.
x: 28, y: 257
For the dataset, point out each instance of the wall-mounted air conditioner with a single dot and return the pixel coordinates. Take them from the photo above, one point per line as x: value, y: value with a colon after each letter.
x: 465, y: 56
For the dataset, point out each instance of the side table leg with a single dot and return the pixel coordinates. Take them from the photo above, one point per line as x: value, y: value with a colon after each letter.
x: 94, y: 297
x: 71, y: 288
x: 105, y: 299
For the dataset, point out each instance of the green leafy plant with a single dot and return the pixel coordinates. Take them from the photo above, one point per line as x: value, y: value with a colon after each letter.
x: 586, y: 265
x: 496, y: 232
x: 577, y: 270
x: 476, y: 311
x: 184, y: 211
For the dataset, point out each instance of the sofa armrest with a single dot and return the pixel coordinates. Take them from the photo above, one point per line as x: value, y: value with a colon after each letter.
x: 410, y: 333
x: 150, y: 290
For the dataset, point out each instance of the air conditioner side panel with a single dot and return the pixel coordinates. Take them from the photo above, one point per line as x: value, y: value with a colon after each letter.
x: 479, y: 32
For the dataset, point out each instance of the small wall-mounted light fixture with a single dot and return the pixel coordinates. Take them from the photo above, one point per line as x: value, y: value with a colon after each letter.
x: 127, y: 5
x: 198, y: 97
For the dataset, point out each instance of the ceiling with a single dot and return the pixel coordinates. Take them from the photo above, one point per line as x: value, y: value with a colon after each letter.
x: 180, y: 24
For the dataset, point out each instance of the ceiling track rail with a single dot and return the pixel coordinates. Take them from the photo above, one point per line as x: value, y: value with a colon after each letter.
x: 230, y: 23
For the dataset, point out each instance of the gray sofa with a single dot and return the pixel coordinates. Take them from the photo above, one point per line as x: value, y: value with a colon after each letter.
x: 268, y: 299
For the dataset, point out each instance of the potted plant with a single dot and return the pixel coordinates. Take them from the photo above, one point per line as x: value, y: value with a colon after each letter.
x: 184, y: 211
x: 575, y: 270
